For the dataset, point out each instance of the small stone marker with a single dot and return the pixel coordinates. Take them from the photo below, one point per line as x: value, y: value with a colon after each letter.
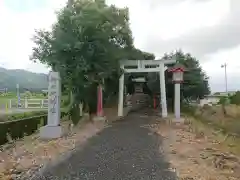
x: 53, y: 129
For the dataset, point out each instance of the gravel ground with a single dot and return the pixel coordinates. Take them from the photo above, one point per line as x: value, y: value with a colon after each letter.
x: 125, y: 150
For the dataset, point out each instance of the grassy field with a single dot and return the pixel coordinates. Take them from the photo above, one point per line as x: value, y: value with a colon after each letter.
x: 8, y: 114
x: 5, y: 97
x: 12, y: 95
x: 225, y: 125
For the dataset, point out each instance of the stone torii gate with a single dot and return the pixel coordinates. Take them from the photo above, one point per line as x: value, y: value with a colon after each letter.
x: 136, y: 66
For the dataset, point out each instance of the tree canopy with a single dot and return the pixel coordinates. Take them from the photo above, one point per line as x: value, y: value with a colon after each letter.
x: 195, y: 80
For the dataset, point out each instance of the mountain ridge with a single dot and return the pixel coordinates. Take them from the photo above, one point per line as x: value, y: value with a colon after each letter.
x: 9, y: 78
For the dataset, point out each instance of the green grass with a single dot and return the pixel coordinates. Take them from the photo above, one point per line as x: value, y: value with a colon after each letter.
x: 4, y: 98
x: 4, y: 105
x: 17, y: 116
x: 4, y: 101
x: 226, y: 141
x: 227, y: 129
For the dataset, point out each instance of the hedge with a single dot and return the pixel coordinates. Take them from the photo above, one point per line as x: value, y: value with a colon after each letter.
x: 21, y: 127
x: 21, y: 115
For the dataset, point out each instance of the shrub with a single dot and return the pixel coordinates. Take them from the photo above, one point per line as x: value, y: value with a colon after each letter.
x: 18, y: 128
x: 235, y: 98
x: 9, y: 117
x: 27, y: 94
x: 189, y: 109
x: 224, y: 100
x: 21, y: 127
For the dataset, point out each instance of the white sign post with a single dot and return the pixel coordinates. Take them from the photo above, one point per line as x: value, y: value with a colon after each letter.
x: 177, y: 79
x: 53, y: 128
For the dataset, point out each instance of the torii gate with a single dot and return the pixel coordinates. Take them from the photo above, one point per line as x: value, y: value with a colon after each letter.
x: 136, y: 66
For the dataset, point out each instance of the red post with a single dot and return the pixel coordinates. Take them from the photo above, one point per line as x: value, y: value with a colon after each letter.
x: 99, y: 103
x: 154, y: 102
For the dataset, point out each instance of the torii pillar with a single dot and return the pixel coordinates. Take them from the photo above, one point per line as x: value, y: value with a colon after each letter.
x: 163, y: 90
x: 144, y: 66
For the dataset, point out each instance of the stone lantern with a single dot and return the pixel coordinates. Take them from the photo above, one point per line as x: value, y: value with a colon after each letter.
x: 177, y: 75
x: 178, y: 71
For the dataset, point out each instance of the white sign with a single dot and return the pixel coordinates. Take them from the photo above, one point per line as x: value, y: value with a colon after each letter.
x: 54, y: 91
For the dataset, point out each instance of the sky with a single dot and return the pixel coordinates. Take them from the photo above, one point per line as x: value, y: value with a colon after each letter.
x: 208, y: 29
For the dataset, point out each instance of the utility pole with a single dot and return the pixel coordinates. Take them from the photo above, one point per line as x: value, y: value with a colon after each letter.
x: 225, y: 71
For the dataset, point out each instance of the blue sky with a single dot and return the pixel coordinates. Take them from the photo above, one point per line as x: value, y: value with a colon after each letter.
x: 209, y: 30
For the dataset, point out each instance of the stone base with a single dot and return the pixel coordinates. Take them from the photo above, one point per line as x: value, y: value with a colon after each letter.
x: 178, y: 120
x: 50, y: 132
x: 160, y: 114
x: 99, y: 118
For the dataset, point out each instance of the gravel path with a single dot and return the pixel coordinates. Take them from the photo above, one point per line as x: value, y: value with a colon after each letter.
x: 124, y: 151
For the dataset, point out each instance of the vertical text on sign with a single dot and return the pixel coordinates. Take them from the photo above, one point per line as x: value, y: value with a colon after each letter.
x: 53, y: 94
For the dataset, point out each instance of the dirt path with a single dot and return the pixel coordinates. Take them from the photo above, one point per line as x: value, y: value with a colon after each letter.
x: 125, y: 150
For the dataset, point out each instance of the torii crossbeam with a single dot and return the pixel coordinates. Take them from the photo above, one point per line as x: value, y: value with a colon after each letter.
x: 136, y: 66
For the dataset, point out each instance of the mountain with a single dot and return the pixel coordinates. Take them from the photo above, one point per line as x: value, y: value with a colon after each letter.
x: 9, y: 78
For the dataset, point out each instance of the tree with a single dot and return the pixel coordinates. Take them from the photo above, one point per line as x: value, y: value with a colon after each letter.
x: 195, y: 80
x: 85, y: 46
x: 235, y: 98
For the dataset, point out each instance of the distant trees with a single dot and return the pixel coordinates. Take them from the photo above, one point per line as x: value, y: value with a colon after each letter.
x: 235, y: 98
x: 195, y: 79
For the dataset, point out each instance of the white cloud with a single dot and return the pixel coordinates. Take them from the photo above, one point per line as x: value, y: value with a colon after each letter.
x: 17, y: 29
x: 212, y: 66
x: 175, y: 20
x: 157, y: 26
x: 228, y: 56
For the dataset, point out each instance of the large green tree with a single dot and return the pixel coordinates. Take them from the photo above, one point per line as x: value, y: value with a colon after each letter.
x: 85, y: 46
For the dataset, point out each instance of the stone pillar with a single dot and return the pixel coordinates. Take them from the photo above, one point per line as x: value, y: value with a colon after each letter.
x: 177, y: 71
x: 177, y: 101
x: 120, y: 96
x: 53, y: 128
x: 163, y: 91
